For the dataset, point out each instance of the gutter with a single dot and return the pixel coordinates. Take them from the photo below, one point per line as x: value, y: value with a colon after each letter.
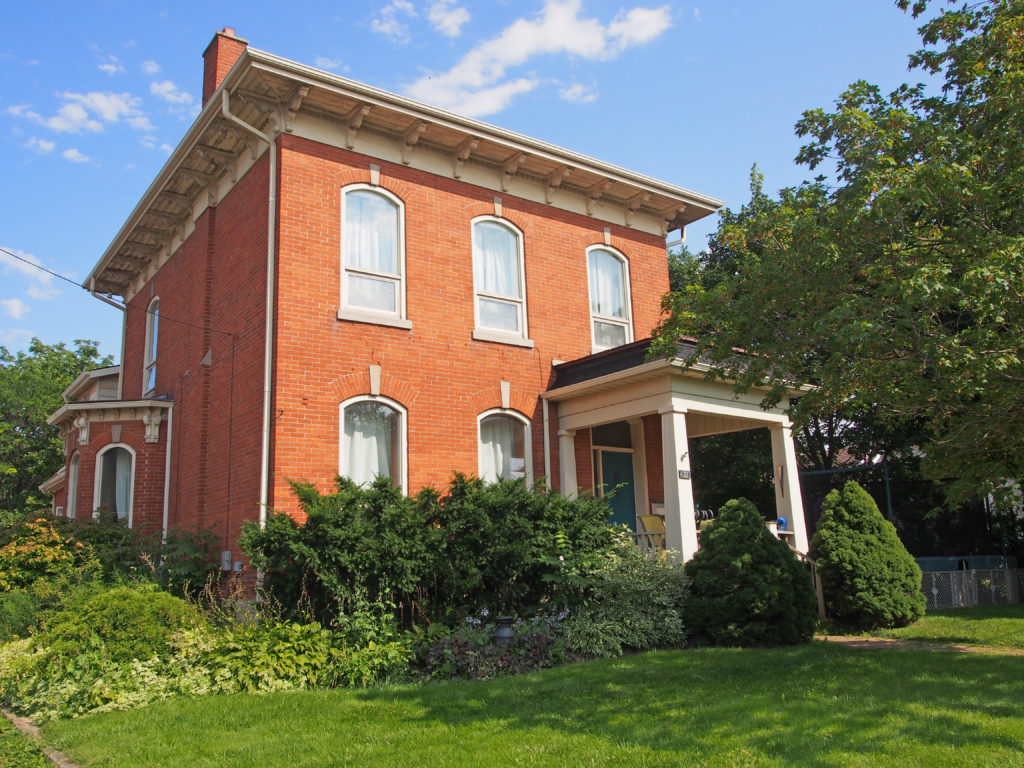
x: 268, y: 346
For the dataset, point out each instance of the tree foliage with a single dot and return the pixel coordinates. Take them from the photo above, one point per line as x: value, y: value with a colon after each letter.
x: 892, y: 281
x: 869, y: 578
x: 746, y: 586
x: 31, y: 383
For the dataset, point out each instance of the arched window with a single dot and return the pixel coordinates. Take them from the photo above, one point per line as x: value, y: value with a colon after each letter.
x: 610, y: 314
x: 149, y: 360
x: 71, y: 504
x: 504, y: 446
x: 115, y: 466
x: 498, y: 277
x: 373, y: 440
x: 373, y: 253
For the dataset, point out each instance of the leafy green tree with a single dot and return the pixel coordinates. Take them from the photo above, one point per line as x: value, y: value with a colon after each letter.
x: 892, y: 281
x: 869, y: 578
x: 31, y: 384
x: 746, y: 586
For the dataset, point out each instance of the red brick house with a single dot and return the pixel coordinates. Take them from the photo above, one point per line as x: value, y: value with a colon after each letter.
x: 328, y: 278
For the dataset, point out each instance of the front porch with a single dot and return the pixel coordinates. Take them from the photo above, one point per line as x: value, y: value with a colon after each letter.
x: 626, y: 422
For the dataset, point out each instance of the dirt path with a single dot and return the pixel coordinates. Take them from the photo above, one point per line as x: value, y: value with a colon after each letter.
x: 874, y: 643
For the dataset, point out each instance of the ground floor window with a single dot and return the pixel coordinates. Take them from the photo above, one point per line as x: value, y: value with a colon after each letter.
x: 373, y: 441
x: 72, y: 487
x: 114, y: 481
x: 504, y: 446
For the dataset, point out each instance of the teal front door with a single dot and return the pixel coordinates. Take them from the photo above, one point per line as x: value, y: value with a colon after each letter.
x: 617, y: 477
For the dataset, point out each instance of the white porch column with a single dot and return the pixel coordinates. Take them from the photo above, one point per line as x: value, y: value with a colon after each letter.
x: 568, y: 484
x: 788, y: 500
x: 680, y: 521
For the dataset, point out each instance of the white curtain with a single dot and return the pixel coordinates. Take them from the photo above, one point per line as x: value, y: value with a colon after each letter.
x: 371, y: 440
x: 497, y: 260
x: 371, y: 232
x: 502, y: 448
x: 607, y: 287
x: 123, y: 481
x: 72, y: 488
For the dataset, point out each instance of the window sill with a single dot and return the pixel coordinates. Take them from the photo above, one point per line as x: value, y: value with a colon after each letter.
x: 356, y: 316
x: 483, y: 334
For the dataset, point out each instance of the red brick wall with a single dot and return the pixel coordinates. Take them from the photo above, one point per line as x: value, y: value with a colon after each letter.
x: 655, y: 466
x: 212, y: 300
x: 148, y: 498
x: 436, y: 370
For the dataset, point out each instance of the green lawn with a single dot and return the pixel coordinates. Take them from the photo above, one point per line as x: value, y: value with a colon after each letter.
x: 816, y: 705
x: 998, y: 626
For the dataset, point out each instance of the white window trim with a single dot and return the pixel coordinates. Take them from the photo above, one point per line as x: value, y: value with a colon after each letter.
x: 71, y: 487
x: 628, y: 323
x: 403, y: 433
x: 399, y: 318
x: 97, y: 478
x: 481, y: 333
x: 527, y: 441
x: 149, y: 360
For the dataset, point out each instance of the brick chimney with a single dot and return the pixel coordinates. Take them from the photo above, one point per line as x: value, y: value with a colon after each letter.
x: 222, y: 52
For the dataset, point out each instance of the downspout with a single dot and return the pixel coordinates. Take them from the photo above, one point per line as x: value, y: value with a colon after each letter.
x: 268, y: 347
x: 167, y: 471
x: 547, y: 443
x: 124, y: 322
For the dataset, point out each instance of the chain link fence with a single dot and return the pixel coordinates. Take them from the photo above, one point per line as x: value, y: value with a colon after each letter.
x: 963, y: 589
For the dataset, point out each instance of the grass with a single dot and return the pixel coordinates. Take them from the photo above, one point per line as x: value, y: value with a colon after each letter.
x: 17, y: 751
x: 996, y: 626
x: 816, y: 705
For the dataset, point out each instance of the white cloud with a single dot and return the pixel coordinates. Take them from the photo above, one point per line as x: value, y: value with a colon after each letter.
x: 15, y: 337
x: 111, y: 65
x: 166, y: 148
x: 446, y: 19
x: 477, y: 84
x: 697, y: 16
x: 169, y: 92
x: 41, y: 284
x: 75, y: 156
x: 389, y: 20
x: 323, y: 62
x: 15, y: 308
x: 578, y: 94
x: 85, y: 111
x: 150, y: 67
x: 42, y: 146
x: 141, y: 123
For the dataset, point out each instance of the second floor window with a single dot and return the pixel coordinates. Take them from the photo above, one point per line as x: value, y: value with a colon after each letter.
x: 152, y: 332
x: 372, y: 252
x: 498, y: 277
x: 609, y: 299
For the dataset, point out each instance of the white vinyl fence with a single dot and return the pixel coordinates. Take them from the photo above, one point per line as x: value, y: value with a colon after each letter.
x: 962, y: 589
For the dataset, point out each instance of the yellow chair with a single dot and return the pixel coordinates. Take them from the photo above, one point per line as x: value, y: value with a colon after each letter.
x: 653, y: 531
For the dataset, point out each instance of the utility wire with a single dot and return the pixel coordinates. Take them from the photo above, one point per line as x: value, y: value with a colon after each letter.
x: 66, y: 279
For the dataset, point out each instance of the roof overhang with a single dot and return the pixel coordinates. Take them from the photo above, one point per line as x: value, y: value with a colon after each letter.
x: 86, y: 378
x: 271, y: 93
x: 107, y: 410
x: 54, y: 482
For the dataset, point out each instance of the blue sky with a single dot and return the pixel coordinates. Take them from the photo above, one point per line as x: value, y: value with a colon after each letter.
x: 94, y: 95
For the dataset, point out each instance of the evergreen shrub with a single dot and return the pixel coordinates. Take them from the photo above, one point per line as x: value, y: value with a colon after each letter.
x: 746, y: 586
x: 868, y: 577
x: 434, y: 557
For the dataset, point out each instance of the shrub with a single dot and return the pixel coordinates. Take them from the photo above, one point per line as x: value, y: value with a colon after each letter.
x: 36, y: 550
x: 468, y: 651
x: 746, y: 586
x: 434, y: 557
x: 633, y: 599
x: 868, y: 577
x: 17, y: 613
x: 127, y: 622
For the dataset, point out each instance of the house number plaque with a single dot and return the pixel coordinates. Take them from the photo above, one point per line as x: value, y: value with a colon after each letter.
x: 684, y: 474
